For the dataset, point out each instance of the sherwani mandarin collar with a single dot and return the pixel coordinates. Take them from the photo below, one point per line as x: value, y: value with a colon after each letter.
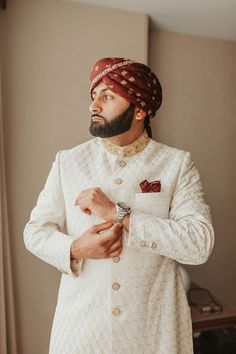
x: 127, y: 150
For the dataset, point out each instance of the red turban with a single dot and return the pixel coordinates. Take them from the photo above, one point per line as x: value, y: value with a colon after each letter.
x: 129, y: 79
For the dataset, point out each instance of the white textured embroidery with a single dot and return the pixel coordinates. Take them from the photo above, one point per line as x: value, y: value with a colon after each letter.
x: 134, y: 304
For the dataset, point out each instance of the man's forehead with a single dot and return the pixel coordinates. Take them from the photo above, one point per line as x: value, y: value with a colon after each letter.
x: 101, y: 87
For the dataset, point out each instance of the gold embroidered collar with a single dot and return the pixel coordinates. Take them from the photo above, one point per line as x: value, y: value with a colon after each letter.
x: 127, y: 150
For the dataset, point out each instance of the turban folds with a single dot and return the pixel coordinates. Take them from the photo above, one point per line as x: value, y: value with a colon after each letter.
x: 129, y: 79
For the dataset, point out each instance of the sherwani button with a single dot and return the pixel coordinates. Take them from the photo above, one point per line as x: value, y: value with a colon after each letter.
x: 143, y: 243
x: 118, y: 180
x: 116, y: 311
x: 116, y: 259
x: 149, y: 244
x: 154, y: 244
x: 122, y: 163
x: 115, y: 286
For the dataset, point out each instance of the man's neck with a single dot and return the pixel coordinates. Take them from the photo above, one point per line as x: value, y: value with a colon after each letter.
x: 126, y: 138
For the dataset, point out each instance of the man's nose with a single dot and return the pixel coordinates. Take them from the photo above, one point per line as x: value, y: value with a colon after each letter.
x: 95, y: 106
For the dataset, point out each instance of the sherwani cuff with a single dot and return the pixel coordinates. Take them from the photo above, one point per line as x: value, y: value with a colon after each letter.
x: 134, y: 239
x: 188, y: 242
x: 50, y: 245
x: 76, y: 266
x: 68, y: 266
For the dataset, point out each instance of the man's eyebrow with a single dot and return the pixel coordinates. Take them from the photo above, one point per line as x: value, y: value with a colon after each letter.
x: 103, y: 90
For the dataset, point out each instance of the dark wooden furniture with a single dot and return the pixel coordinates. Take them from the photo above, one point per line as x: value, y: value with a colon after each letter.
x: 205, y: 322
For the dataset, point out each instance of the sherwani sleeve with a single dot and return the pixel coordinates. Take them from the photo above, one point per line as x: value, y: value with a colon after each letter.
x: 186, y: 235
x: 44, y: 234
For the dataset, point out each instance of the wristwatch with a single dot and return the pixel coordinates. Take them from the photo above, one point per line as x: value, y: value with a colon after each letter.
x: 122, y: 209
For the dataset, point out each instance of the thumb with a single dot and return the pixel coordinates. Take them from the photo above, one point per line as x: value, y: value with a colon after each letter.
x: 103, y: 226
x: 113, y: 234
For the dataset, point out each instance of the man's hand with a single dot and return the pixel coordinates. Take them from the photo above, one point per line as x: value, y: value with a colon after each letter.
x: 93, y: 200
x: 93, y: 244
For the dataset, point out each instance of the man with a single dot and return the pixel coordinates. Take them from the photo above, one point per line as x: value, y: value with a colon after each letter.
x: 116, y: 216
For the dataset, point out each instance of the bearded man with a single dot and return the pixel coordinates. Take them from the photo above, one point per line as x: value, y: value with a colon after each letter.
x: 116, y: 216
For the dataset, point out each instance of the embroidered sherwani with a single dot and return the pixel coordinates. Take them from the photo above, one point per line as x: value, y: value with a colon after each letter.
x: 134, y: 303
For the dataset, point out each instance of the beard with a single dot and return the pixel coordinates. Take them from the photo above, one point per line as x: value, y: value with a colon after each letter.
x: 118, y: 125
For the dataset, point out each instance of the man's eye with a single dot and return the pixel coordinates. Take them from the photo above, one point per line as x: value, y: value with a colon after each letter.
x: 108, y: 97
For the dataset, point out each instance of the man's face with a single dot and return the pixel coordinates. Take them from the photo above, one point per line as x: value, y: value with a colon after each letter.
x: 111, y: 114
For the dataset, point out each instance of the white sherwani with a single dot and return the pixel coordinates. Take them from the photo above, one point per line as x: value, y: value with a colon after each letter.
x: 134, y: 303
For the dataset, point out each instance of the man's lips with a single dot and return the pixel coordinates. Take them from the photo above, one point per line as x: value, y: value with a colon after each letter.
x: 95, y: 118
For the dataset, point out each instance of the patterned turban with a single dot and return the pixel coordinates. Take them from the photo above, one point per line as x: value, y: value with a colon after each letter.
x: 129, y: 79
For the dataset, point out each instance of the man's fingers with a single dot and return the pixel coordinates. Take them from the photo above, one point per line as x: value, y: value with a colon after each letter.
x: 101, y: 227
x: 116, y: 237
x: 113, y: 233
x: 115, y: 253
x: 79, y: 198
x: 115, y: 246
x: 86, y: 194
x: 86, y: 211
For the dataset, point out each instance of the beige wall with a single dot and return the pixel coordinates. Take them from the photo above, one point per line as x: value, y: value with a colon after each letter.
x: 49, y: 48
x: 198, y: 114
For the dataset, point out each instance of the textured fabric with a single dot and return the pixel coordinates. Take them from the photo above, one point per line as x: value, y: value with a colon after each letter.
x: 128, y: 150
x: 131, y: 80
x: 147, y: 312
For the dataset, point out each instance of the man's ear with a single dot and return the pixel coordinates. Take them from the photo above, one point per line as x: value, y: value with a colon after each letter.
x: 139, y: 114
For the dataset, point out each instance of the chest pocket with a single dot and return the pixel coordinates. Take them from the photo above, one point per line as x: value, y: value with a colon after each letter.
x: 157, y: 204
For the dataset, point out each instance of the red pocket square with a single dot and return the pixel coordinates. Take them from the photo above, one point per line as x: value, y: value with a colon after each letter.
x: 150, y: 187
